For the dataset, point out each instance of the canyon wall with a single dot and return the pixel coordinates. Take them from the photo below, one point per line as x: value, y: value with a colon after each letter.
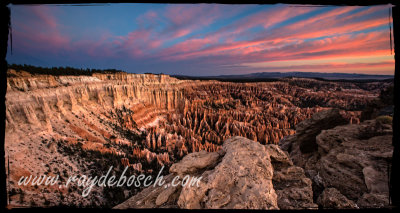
x: 43, y: 97
x: 79, y: 124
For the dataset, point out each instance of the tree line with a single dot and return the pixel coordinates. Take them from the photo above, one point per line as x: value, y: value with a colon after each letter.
x: 60, y: 70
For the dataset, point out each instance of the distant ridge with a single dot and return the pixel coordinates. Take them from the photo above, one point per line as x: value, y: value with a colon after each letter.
x: 278, y: 75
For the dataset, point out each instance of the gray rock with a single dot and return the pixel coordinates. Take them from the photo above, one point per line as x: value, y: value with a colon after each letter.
x: 195, y: 162
x: 244, y: 175
x: 352, y: 158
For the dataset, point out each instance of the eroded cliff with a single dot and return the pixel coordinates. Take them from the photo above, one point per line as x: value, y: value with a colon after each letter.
x: 66, y: 125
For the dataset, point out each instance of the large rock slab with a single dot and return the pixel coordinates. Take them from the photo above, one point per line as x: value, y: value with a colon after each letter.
x: 354, y: 164
x: 353, y: 159
x: 243, y: 175
x: 195, y: 162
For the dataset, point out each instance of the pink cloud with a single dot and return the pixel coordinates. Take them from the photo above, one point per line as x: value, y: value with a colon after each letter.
x: 329, y: 24
x: 361, y: 45
x: 41, y: 42
x: 189, y: 45
x: 331, y: 15
x: 228, y: 45
x: 200, y: 14
x: 186, y: 19
x: 288, y: 35
x: 318, y: 26
x: 45, y: 15
x: 149, y: 19
x: 151, y: 15
x: 264, y: 18
x: 180, y: 33
x: 366, y: 12
x: 384, y: 67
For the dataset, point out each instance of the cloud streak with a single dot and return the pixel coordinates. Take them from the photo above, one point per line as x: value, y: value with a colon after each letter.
x: 210, y: 37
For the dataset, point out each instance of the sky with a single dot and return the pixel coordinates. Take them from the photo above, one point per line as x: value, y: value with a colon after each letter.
x: 204, y: 39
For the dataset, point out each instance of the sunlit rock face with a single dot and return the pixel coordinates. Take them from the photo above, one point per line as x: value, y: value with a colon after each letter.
x: 83, y: 124
x: 244, y: 174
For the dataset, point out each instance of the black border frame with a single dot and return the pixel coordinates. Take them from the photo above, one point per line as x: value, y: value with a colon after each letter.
x: 6, y: 25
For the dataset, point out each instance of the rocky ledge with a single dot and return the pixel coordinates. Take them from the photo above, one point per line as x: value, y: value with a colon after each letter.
x: 243, y: 174
x: 334, y: 167
x: 349, y: 164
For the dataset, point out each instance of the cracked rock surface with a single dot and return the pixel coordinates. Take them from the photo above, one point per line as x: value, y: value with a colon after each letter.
x: 244, y: 174
x: 350, y: 163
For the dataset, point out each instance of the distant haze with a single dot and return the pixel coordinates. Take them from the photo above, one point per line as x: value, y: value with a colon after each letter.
x: 204, y: 39
x: 331, y: 76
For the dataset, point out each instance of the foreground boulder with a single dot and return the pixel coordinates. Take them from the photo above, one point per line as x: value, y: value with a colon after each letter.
x: 349, y: 165
x: 243, y: 175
